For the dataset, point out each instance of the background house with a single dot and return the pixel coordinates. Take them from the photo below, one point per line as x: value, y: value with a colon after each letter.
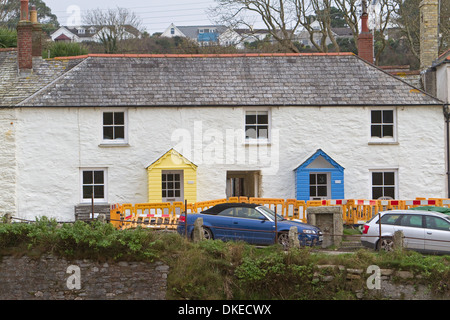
x: 88, y: 33
x: 207, y: 35
x: 204, y: 35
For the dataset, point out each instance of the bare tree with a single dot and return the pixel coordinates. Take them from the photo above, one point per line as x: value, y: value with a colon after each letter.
x: 281, y: 17
x: 351, y: 12
x: 385, y: 9
x: 407, y: 19
x: 114, y: 25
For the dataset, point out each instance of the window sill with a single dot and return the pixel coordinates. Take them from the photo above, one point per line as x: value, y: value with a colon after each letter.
x: 113, y: 144
x: 257, y: 143
x: 383, y: 143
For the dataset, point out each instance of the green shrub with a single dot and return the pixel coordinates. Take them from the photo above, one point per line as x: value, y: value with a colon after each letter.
x: 8, y: 38
x: 64, y: 49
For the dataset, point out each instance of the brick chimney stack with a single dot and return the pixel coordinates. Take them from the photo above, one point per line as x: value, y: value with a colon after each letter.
x: 24, y: 40
x: 37, y: 34
x: 365, y: 38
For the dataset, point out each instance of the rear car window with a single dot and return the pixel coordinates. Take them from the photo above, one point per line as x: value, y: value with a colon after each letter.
x: 409, y: 220
x: 389, y: 218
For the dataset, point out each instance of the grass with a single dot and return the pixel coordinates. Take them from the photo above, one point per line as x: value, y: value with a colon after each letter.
x: 214, y: 269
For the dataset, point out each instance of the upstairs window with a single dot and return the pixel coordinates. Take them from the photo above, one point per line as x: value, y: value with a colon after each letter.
x: 257, y: 125
x: 114, y: 126
x: 383, y: 125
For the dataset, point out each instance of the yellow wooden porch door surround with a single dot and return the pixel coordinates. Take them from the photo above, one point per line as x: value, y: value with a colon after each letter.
x: 172, y: 160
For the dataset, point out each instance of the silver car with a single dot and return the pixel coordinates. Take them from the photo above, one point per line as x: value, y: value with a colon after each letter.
x: 424, y: 231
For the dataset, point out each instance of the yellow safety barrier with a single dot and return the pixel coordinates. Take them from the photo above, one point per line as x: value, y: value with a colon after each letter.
x: 276, y: 205
x: 165, y: 215
x: 203, y: 205
x: 295, y: 210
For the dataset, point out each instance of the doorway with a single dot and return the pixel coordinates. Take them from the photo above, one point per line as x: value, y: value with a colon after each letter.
x: 243, y: 184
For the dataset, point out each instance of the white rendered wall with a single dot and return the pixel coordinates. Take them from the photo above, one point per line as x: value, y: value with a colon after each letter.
x: 7, y: 161
x: 443, y: 82
x: 54, y: 143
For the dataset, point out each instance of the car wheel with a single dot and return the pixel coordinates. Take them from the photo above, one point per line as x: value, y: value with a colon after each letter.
x: 207, y: 233
x: 386, y: 244
x: 283, y: 239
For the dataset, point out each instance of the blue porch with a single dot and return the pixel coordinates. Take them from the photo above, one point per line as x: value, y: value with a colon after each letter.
x: 319, y: 177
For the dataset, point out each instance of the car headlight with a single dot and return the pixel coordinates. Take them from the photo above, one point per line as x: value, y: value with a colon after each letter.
x: 309, y: 231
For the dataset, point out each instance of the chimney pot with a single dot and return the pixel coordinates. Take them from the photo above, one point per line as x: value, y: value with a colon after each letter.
x: 24, y: 10
x: 37, y: 33
x: 33, y: 14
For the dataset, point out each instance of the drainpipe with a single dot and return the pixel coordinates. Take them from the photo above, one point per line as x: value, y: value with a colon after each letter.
x: 447, y: 116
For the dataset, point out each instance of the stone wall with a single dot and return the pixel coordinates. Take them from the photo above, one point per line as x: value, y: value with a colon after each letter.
x: 52, y: 278
x: 429, y: 41
x: 392, y: 284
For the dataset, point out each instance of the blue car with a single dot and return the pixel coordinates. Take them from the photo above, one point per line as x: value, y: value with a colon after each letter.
x: 251, y: 223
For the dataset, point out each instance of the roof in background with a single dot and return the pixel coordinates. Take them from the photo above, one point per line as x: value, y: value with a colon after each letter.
x: 339, y: 79
x: 193, y: 31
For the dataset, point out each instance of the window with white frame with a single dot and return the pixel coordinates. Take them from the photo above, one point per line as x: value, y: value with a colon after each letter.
x: 93, y: 185
x: 114, y: 129
x: 319, y: 186
x: 384, y: 184
x: 382, y: 125
x: 256, y: 125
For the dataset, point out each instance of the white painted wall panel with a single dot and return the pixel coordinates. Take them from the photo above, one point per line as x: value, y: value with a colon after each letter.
x: 54, y: 143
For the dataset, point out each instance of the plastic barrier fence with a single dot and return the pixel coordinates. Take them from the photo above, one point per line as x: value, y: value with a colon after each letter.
x: 165, y: 215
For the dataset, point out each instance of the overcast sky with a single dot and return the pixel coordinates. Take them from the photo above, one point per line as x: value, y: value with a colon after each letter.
x: 156, y: 15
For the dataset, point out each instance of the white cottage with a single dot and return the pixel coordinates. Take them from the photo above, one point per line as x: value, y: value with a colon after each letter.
x: 220, y: 126
x: 152, y: 128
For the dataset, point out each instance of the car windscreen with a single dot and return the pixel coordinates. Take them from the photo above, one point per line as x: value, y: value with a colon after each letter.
x: 270, y: 213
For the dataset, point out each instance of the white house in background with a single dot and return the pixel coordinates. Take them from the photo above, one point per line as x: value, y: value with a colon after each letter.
x: 88, y: 33
x: 204, y: 35
x: 216, y: 35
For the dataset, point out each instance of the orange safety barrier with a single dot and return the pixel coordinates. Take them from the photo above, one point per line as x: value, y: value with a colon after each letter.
x: 166, y: 215
x: 203, y: 205
x: 421, y: 202
x: 295, y: 209
x: 153, y: 215
x: 276, y: 205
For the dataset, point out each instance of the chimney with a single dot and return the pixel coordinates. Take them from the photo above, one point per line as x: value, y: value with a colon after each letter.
x: 24, y: 40
x: 429, y: 38
x: 37, y: 34
x: 365, y: 38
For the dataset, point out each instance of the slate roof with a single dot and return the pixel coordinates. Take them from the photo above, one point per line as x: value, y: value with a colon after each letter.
x: 13, y: 89
x: 192, y: 31
x: 227, y: 80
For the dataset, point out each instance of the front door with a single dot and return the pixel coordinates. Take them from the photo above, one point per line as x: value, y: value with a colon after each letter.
x: 172, y: 185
